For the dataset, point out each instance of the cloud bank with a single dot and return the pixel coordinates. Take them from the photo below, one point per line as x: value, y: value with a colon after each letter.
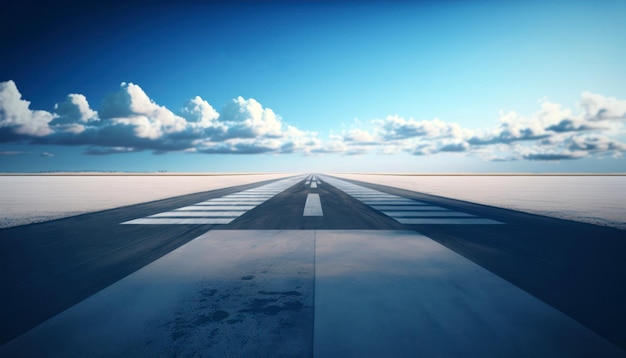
x: 128, y: 120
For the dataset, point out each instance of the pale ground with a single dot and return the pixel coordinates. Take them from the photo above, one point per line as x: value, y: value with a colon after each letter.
x: 30, y: 199
x: 597, y: 200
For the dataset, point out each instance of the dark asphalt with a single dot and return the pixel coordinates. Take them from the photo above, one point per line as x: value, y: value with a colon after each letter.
x: 577, y: 268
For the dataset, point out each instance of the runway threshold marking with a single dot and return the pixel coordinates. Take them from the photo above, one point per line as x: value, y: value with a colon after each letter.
x: 313, y: 205
x: 408, y: 211
x: 222, y: 210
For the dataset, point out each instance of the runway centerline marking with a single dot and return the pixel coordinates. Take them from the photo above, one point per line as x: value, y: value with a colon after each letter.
x: 313, y: 205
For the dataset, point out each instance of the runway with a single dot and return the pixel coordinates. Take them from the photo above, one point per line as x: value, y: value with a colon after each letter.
x: 312, y: 265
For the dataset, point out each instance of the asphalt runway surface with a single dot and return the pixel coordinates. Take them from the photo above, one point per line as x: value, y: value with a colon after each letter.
x: 322, y: 263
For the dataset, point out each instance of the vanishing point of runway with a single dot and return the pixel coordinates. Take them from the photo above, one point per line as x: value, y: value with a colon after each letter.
x: 312, y: 265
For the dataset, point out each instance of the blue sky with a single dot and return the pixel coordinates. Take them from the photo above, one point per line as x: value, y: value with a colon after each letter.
x: 478, y: 86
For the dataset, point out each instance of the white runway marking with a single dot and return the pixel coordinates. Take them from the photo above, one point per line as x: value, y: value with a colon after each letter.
x: 313, y: 206
x: 447, y: 221
x: 248, y: 196
x: 259, y: 192
x: 407, y: 211
x: 376, y: 198
x: 209, y: 204
x: 238, y: 200
x: 407, y: 207
x: 180, y: 221
x: 215, y: 207
x: 206, y: 214
x: 421, y: 214
x: 313, y: 185
x: 220, y: 210
x: 375, y: 195
x: 389, y: 202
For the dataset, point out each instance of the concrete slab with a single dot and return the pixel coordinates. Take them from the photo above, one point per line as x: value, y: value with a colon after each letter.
x: 400, y: 294
x: 224, y: 294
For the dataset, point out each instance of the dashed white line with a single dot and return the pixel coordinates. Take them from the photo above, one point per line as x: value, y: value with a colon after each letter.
x: 313, y: 185
x: 313, y: 205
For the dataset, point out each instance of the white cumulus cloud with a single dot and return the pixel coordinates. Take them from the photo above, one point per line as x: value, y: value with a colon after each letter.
x: 128, y: 120
x: 16, y: 115
x: 246, y: 118
x: 598, y: 107
x: 130, y: 105
x: 396, y: 127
